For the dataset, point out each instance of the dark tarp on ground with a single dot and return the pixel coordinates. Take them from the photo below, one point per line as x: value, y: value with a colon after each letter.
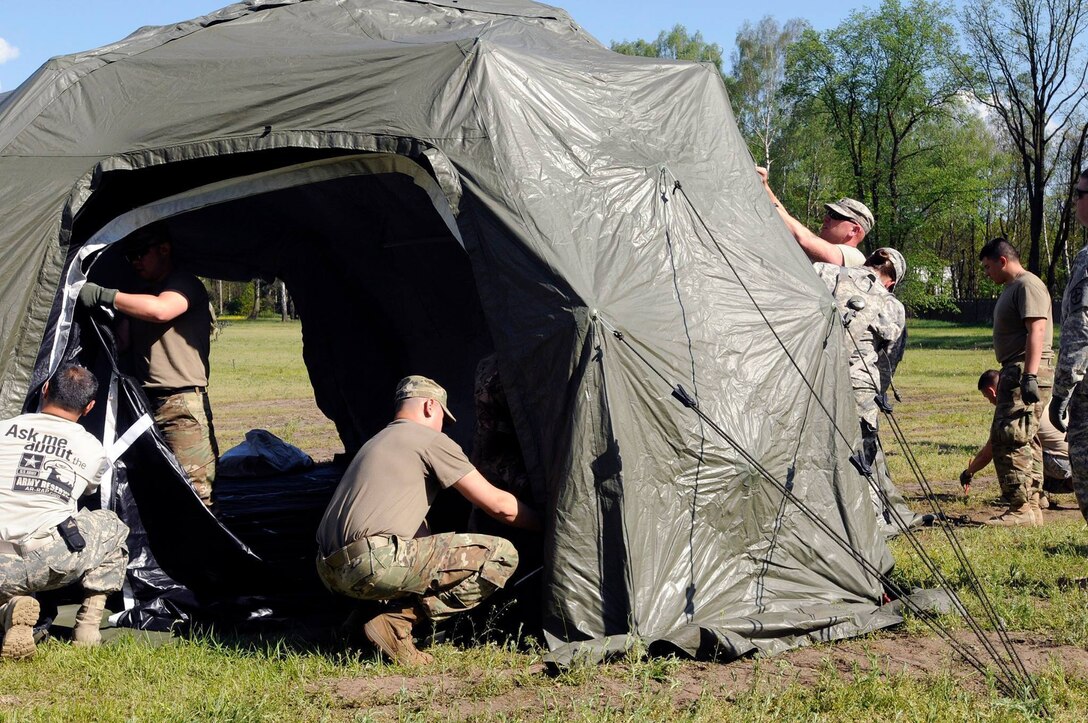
x: 560, y: 160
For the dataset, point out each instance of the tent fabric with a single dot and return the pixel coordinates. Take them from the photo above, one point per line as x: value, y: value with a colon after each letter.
x: 618, y: 243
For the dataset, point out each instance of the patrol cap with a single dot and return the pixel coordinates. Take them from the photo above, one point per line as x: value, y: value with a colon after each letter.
x: 854, y: 210
x: 417, y: 386
x: 898, y: 262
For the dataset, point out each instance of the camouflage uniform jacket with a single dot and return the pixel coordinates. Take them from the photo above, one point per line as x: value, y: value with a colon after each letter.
x: 879, y: 331
x: 1073, y: 353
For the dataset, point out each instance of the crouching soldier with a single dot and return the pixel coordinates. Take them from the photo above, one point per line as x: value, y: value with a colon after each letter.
x: 373, y: 542
x: 47, y: 462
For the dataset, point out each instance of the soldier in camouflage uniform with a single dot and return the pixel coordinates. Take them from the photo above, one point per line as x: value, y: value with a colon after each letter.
x: 878, y: 333
x: 373, y: 541
x: 1022, y: 344
x: 168, y: 332
x: 1057, y: 476
x: 1070, y: 406
x: 47, y: 461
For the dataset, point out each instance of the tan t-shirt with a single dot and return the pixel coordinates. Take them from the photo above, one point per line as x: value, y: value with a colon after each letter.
x: 851, y: 256
x: 46, y: 464
x: 175, y: 354
x: 390, y: 485
x: 1024, y: 297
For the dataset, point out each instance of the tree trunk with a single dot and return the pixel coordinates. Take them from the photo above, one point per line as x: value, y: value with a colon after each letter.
x: 256, y: 299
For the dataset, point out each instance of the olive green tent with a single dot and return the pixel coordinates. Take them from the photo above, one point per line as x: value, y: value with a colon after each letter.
x: 435, y: 180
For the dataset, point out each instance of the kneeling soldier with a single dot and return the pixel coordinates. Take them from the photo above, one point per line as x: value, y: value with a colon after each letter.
x: 47, y: 462
x: 373, y: 542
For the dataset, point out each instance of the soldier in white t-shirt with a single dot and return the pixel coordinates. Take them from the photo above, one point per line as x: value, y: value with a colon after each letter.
x: 47, y: 462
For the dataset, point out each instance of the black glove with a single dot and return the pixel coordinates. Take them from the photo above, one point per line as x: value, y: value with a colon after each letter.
x: 1058, y: 410
x: 1029, y: 388
x: 92, y: 295
x: 965, y: 478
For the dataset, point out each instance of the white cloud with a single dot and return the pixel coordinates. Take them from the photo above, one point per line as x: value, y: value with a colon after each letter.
x: 7, y: 51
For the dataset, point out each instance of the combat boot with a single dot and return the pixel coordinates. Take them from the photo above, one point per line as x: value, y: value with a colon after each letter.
x: 1036, y: 508
x: 89, y: 620
x: 391, y: 632
x: 1015, y: 516
x: 1044, y: 501
x: 18, y: 616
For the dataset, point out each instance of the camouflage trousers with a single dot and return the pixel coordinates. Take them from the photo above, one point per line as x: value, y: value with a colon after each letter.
x: 98, y: 567
x: 1014, y: 433
x: 1078, y: 446
x: 185, y: 420
x: 446, y: 573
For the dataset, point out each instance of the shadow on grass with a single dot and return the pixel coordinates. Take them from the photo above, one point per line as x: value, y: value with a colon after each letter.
x: 923, y: 334
x: 939, y: 497
x: 293, y: 631
x: 1066, y: 548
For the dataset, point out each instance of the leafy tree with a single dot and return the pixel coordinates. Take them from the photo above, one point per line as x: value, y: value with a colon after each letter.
x: 881, y: 78
x: 675, y: 44
x: 1029, y: 66
x: 757, y: 79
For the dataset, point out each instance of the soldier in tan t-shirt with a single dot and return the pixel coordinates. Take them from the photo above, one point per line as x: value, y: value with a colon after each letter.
x: 846, y: 222
x: 373, y: 542
x: 168, y: 333
x: 1022, y: 343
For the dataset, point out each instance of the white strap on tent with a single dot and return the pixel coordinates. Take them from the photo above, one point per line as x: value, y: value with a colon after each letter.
x: 109, y: 431
x: 125, y: 441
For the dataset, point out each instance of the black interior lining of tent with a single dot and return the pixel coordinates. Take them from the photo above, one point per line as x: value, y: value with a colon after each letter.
x: 383, y: 290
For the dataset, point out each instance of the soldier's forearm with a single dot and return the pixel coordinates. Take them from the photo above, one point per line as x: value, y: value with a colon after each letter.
x: 1033, y: 348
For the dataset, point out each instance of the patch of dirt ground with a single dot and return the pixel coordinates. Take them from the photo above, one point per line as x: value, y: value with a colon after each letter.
x: 530, y: 692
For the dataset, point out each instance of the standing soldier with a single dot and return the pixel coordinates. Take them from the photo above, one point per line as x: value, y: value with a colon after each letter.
x: 1070, y: 395
x: 1022, y: 336
x: 878, y: 331
x: 168, y: 337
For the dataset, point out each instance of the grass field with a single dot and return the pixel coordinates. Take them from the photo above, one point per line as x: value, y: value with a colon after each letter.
x: 906, y: 674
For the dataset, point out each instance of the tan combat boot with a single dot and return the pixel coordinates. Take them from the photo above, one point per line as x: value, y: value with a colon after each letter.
x: 1044, y: 501
x: 89, y: 620
x: 1015, y: 516
x: 1035, y: 502
x: 392, y: 633
x: 18, y: 617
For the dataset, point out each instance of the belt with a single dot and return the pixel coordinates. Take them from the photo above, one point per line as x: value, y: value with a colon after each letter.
x: 354, y: 549
x: 157, y: 392
x: 22, y: 548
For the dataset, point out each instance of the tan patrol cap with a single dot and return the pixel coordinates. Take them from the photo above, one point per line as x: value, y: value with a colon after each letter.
x: 417, y: 386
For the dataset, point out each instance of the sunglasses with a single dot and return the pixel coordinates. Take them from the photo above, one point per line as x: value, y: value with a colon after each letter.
x: 1079, y: 193
x: 838, y: 216
x: 133, y: 256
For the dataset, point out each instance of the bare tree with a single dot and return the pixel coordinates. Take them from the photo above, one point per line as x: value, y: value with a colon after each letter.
x: 1029, y: 68
x: 1066, y: 203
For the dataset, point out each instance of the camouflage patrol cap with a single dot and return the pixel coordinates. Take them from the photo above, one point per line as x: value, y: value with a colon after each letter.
x: 417, y: 386
x: 895, y: 258
x: 854, y: 210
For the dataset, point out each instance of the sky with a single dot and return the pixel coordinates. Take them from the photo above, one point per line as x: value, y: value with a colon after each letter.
x: 32, y: 32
